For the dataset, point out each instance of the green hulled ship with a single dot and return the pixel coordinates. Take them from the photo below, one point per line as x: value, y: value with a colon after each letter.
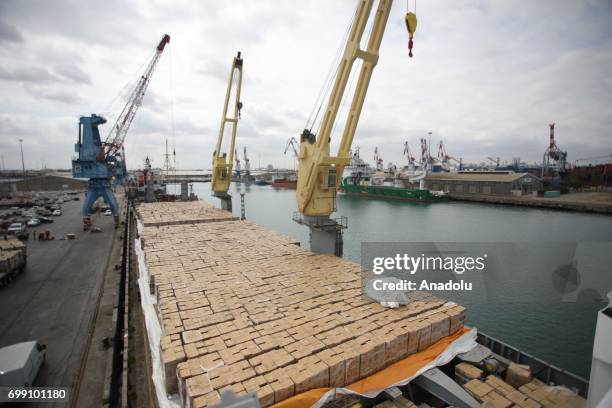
x: 392, y: 192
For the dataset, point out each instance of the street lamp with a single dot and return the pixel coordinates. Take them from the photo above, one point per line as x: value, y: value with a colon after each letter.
x: 429, y: 151
x: 22, y: 162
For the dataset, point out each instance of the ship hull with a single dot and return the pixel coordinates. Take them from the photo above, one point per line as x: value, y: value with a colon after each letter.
x: 285, y: 184
x: 395, y: 193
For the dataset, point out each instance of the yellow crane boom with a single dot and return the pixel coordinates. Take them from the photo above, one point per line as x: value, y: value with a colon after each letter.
x: 222, y: 164
x: 319, y: 173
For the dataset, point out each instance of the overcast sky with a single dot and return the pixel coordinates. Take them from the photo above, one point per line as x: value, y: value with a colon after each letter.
x: 487, y: 76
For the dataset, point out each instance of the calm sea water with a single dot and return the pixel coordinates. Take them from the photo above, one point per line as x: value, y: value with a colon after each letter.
x: 561, y: 333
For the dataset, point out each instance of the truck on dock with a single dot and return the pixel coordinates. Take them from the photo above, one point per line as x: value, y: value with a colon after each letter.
x: 13, y: 260
x: 20, y: 363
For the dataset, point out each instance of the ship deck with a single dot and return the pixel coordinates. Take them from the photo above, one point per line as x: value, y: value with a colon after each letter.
x: 247, y: 309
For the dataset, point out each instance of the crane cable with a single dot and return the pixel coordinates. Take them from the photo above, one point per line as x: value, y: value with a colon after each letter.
x: 123, y: 93
x: 329, y: 79
x: 355, y: 69
x: 172, y: 127
x: 408, y: 6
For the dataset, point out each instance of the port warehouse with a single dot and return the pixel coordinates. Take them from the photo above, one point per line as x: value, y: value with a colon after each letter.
x: 497, y: 183
x: 246, y: 309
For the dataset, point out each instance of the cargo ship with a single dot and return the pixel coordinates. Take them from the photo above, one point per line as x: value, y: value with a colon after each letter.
x: 406, y: 184
x: 389, y: 191
x: 420, y: 354
x: 285, y: 182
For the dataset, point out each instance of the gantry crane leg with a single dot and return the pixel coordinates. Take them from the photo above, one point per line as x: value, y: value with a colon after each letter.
x: 99, y: 188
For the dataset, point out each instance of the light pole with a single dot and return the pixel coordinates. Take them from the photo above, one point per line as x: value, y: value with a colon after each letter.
x: 22, y: 162
x: 429, y: 150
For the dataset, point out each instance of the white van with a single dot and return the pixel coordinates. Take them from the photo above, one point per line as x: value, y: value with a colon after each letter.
x: 19, y: 363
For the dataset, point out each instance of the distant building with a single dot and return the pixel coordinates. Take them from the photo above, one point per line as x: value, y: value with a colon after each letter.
x: 50, y: 183
x: 8, y: 187
x: 498, y: 183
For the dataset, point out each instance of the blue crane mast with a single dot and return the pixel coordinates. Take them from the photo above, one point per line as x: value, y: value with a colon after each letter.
x: 103, y: 163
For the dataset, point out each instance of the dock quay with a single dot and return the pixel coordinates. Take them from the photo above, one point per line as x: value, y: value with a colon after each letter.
x: 246, y: 309
x: 593, y: 202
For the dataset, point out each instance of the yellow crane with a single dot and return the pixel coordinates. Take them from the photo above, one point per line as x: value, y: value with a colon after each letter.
x: 319, y: 173
x: 222, y: 164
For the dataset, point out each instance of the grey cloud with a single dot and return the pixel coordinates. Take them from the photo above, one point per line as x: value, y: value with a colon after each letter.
x: 486, y: 89
x: 217, y: 69
x: 12, y: 126
x: 27, y: 74
x: 55, y: 94
x: 9, y: 32
x: 263, y: 119
x: 101, y: 22
x: 73, y: 72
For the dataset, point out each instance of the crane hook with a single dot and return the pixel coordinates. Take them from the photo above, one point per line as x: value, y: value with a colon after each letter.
x: 411, y: 25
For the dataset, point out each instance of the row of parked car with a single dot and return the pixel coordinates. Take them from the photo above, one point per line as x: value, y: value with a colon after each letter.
x: 16, y: 219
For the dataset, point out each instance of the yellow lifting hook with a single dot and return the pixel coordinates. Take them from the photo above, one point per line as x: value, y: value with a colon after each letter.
x: 411, y: 25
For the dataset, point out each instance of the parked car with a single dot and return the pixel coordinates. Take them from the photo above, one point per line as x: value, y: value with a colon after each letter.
x: 56, y: 212
x: 20, y: 363
x: 16, y: 228
x: 108, y: 212
x: 45, y: 220
x: 34, y: 222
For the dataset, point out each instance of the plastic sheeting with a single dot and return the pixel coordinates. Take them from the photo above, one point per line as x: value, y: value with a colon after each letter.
x: 398, y: 374
x: 154, y: 331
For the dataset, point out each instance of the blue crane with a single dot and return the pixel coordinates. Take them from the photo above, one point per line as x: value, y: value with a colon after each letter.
x: 103, y: 163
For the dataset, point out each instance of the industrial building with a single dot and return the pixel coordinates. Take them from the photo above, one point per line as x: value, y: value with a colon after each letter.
x: 497, y: 183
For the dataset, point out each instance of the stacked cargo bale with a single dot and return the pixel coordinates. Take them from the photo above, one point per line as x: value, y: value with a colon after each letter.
x: 13, y: 244
x: 495, y: 392
x: 246, y: 309
x: 9, y: 261
x: 183, y: 212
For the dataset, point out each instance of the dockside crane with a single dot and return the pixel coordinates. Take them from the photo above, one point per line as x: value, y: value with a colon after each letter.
x: 425, y: 156
x: 319, y: 173
x: 445, y: 159
x: 247, y: 165
x: 408, y: 154
x: 494, y: 161
x: 554, y: 160
x: 442, y: 156
x: 222, y: 165
x: 103, y: 163
x: 237, y: 170
x: 292, y: 142
x: 378, y: 161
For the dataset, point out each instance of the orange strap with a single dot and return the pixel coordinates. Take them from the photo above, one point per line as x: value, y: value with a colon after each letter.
x: 381, y: 380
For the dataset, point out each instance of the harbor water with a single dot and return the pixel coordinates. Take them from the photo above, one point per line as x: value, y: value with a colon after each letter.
x: 560, y: 333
